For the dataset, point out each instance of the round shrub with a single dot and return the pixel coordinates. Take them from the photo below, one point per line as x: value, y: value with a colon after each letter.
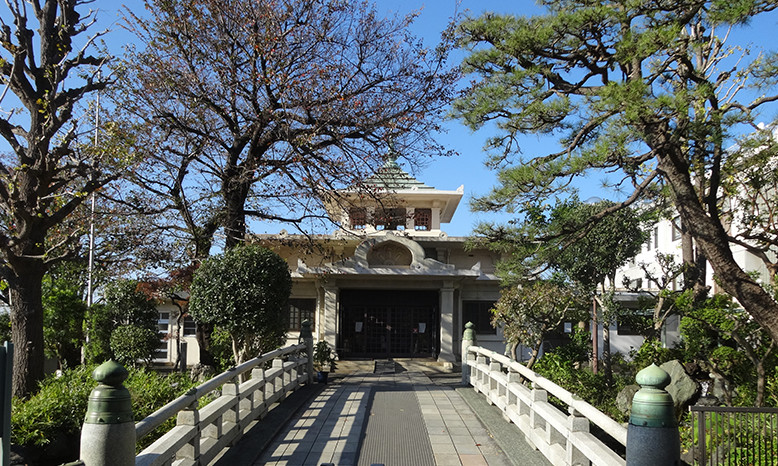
x: 246, y: 292
x: 131, y: 344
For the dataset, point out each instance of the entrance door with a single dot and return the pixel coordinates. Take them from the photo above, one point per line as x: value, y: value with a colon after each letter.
x: 382, y: 324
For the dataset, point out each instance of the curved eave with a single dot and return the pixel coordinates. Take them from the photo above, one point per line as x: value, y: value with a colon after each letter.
x: 449, y: 200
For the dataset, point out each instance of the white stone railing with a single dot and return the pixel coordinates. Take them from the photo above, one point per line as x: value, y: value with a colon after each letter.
x: 562, y: 438
x: 202, y: 432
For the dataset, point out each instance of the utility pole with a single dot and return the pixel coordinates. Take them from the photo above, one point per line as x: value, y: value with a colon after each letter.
x: 91, y: 263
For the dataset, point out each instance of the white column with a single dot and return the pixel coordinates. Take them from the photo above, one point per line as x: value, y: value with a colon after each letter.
x: 435, y: 223
x: 447, y: 323
x: 329, y: 330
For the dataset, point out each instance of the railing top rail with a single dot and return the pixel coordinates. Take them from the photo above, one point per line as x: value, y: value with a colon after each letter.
x: 603, y: 421
x: 732, y: 409
x: 164, y: 413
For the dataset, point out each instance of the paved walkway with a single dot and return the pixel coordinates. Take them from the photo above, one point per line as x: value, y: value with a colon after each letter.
x: 398, y: 419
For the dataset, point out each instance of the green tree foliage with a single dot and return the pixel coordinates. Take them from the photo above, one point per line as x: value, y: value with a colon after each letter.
x: 99, y: 325
x: 635, y: 91
x: 245, y: 291
x: 725, y: 340
x: 129, y: 308
x: 131, y: 344
x: 273, y: 102
x: 5, y: 327
x: 63, y: 319
x: 563, y: 238
x: 129, y: 305
x: 529, y: 312
x: 49, y: 168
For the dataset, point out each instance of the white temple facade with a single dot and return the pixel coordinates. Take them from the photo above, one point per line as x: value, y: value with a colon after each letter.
x: 390, y: 283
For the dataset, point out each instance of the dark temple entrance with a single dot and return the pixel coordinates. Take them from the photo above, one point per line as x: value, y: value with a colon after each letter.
x: 388, y: 323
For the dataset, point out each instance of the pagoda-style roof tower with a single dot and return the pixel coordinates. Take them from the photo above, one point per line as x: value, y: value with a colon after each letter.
x: 393, y: 200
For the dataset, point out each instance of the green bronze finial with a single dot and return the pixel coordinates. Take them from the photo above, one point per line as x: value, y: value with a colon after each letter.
x: 109, y: 402
x: 652, y: 406
x: 469, y: 333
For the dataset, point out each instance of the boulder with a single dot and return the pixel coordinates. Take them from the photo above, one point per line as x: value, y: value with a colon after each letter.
x: 720, y: 388
x: 683, y: 388
x: 624, y: 398
x: 202, y: 372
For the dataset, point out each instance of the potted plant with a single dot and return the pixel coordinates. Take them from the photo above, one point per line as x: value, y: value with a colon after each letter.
x: 323, y: 360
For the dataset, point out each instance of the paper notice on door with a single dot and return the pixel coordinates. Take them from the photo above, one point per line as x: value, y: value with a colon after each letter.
x: 422, y: 327
x: 358, y: 327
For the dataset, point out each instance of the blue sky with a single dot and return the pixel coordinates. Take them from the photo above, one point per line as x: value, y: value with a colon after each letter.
x: 467, y: 168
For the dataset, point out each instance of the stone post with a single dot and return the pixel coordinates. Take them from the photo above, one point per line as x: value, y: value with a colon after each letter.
x: 108, y: 433
x: 652, y: 434
x: 447, y: 330
x: 468, y: 340
x: 182, y: 357
x: 306, y: 336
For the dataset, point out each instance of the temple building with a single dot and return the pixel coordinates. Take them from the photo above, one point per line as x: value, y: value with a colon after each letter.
x: 390, y: 283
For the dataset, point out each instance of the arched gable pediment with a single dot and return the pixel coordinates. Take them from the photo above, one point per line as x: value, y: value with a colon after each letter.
x: 391, y: 252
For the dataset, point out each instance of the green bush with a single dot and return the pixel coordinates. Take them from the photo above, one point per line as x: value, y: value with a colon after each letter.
x: 124, y: 305
x: 5, y: 327
x: 60, y: 405
x: 130, y: 344
x: 63, y: 321
x: 99, y: 327
x: 565, y: 367
x: 652, y: 351
x: 246, y: 292
x: 221, y: 349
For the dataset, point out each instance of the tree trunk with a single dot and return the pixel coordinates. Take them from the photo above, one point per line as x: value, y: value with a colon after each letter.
x: 760, y: 383
x: 203, y: 334
x: 712, y: 238
x: 535, y: 352
x: 235, y: 194
x: 27, y: 328
x: 606, y: 353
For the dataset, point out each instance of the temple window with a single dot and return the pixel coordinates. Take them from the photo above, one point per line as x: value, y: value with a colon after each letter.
x: 422, y: 220
x: 358, y: 218
x: 301, y: 309
x: 391, y: 219
x: 479, y: 313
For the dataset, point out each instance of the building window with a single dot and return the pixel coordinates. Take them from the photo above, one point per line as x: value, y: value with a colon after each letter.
x: 635, y: 324
x: 391, y: 219
x: 676, y: 228
x: 479, y: 313
x: 422, y: 219
x: 190, y: 328
x: 163, y: 324
x: 656, y: 237
x: 358, y: 218
x: 299, y: 310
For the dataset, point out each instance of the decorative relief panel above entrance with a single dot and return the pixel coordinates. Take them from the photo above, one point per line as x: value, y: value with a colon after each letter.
x: 389, y: 254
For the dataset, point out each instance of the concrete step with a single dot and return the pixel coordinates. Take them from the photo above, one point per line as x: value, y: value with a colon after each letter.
x: 426, y: 365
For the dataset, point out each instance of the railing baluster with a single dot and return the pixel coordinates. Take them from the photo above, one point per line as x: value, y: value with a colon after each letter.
x: 232, y: 416
x: 190, y: 417
x: 231, y: 422
x: 576, y: 422
x: 258, y: 397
